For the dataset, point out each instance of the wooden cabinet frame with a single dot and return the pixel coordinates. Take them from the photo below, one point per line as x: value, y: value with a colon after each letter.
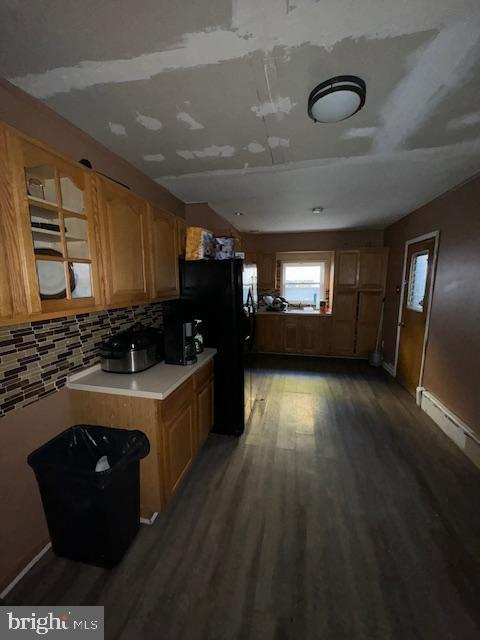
x: 19, y: 292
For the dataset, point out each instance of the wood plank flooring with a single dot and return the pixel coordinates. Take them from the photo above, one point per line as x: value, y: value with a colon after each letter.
x: 342, y: 513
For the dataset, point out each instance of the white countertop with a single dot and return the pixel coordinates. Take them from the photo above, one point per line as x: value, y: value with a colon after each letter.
x: 157, y: 382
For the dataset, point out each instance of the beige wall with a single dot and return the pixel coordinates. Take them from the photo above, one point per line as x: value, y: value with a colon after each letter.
x: 311, y: 241
x: 200, y: 214
x: 34, y: 118
x: 452, y: 365
x: 24, y: 532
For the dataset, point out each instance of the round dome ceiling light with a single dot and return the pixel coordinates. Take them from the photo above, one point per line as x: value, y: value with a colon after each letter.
x: 318, y: 210
x: 337, y: 99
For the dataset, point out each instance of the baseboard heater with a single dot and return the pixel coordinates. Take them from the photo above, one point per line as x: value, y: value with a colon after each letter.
x: 451, y: 425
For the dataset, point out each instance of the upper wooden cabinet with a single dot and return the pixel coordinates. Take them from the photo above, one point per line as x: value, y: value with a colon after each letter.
x: 163, y: 250
x: 266, y: 268
x: 181, y: 237
x: 55, y: 223
x: 346, y: 269
x: 72, y: 241
x: 372, y: 269
x: 124, y: 224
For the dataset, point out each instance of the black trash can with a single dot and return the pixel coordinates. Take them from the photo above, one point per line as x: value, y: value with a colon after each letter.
x: 92, y: 516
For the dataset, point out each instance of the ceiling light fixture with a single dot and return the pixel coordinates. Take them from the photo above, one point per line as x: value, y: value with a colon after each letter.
x: 237, y: 213
x: 337, y: 99
x: 318, y: 209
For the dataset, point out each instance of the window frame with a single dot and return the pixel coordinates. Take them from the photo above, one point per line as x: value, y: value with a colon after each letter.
x: 411, y: 278
x: 304, y: 263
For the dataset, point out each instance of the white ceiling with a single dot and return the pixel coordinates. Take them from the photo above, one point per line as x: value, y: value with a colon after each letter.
x: 209, y: 98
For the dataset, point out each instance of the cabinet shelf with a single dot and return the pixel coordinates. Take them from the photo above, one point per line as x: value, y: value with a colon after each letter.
x: 47, y: 236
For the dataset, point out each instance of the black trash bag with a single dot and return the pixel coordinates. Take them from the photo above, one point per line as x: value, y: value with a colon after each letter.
x: 92, y: 516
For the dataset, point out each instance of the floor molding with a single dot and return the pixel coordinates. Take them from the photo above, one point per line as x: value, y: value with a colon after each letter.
x: 389, y: 368
x: 25, y: 570
x: 452, y: 426
x: 41, y: 553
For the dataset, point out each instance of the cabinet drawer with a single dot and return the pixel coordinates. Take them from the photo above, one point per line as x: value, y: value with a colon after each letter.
x: 172, y: 405
x: 203, y: 375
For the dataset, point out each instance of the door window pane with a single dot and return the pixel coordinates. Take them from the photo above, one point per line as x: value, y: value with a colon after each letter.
x: 72, y: 196
x: 40, y: 182
x: 417, y: 281
x: 76, y: 236
x: 82, y: 281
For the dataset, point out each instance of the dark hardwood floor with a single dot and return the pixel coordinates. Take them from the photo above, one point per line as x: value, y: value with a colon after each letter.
x: 342, y: 513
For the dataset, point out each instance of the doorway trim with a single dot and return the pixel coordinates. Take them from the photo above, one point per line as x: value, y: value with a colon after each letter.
x: 426, y: 236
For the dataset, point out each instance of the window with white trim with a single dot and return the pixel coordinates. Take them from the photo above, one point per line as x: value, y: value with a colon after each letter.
x: 417, y: 281
x: 303, y: 283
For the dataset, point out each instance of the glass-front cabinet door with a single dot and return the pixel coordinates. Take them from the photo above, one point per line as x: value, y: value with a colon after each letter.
x: 57, y: 203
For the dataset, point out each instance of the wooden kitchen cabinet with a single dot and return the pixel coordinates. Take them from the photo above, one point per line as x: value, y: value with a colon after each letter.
x: 372, y: 268
x: 266, y: 271
x: 178, y: 444
x: 269, y: 333
x: 369, y: 313
x: 163, y: 253
x: 204, y: 390
x: 309, y: 335
x: 344, y: 316
x: 346, y: 269
x: 360, y: 276
x: 181, y: 226
x: 124, y: 239
x: 176, y: 428
x: 292, y: 335
x: 54, y: 222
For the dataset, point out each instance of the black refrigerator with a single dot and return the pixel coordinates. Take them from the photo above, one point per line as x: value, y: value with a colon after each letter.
x: 212, y: 291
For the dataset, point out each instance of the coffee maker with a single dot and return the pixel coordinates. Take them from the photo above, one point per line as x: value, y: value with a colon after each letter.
x: 180, y: 345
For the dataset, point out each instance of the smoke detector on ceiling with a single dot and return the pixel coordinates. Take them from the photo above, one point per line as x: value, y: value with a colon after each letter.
x: 238, y: 213
x: 318, y: 210
x: 337, y: 99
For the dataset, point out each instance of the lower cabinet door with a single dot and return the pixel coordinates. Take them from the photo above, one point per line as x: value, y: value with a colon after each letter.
x: 205, y: 411
x: 291, y: 336
x: 179, y: 448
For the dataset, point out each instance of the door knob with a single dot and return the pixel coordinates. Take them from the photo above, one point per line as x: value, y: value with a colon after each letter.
x: 401, y: 324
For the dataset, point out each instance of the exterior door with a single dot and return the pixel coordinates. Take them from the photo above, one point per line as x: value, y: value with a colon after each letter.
x: 418, y: 275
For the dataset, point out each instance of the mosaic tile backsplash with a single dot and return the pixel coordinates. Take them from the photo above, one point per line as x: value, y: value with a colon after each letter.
x: 37, y: 357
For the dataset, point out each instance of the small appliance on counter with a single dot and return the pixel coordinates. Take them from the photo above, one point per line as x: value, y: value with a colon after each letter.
x: 133, y: 350
x: 180, y: 343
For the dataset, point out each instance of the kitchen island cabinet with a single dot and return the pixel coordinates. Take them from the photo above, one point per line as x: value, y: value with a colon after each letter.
x: 172, y: 405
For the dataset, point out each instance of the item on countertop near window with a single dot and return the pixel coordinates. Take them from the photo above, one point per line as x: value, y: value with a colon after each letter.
x: 224, y: 248
x: 200, y: 244
x: 323, y: 306
x: 278, y: 304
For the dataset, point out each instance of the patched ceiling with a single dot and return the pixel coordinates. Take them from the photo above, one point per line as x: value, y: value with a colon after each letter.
x: 209, y: 98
